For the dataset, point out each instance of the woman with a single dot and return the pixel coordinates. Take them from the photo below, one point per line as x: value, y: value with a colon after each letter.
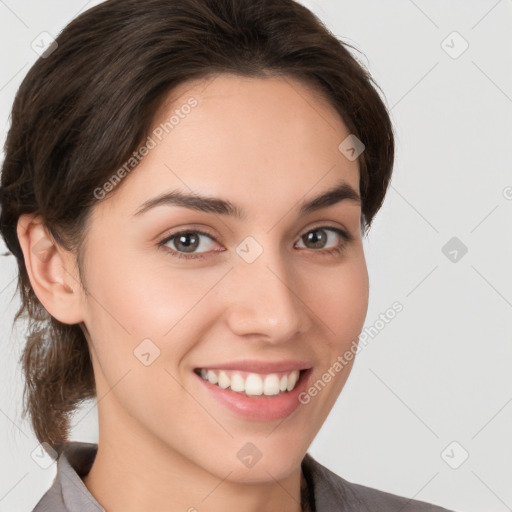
x: 185, y: 187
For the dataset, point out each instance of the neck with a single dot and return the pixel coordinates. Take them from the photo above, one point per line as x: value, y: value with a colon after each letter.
x: 133, y: 473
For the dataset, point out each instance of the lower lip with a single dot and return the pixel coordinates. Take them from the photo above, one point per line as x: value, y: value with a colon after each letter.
x: 260, y: 407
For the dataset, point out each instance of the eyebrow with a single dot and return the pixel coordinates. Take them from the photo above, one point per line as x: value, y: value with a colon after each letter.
x: 341, y: 192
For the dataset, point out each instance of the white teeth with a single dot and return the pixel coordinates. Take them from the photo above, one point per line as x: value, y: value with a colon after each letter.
x: 292, y: 380
x: 211, y: 376
x: 271, y: 385
x: 224, y: 380
x: 237, y: 382
x: 253, y: 384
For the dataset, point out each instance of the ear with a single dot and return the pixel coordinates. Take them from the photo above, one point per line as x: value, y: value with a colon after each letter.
x: 51, y: 271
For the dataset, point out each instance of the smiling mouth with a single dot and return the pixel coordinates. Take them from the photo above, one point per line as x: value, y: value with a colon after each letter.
x: 252, y: 384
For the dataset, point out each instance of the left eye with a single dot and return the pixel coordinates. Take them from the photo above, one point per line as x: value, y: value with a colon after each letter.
x: 186, y: 243
x: 318, y: 237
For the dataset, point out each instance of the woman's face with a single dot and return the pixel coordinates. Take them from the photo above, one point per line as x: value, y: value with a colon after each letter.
x: 251, y: 299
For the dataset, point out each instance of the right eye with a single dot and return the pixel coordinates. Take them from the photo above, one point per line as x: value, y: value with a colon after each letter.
x: 185, y: 242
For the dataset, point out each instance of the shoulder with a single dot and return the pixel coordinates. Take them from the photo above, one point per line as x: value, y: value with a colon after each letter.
x: 331, y: 492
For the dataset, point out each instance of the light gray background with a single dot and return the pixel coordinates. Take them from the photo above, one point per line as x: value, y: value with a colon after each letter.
x: 440, y: 370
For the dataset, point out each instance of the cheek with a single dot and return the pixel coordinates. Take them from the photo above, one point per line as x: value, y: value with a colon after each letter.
x: 144, y: 299
x: 146, y: 315
x: 341, y: 299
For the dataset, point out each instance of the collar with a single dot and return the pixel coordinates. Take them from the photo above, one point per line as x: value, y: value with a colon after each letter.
x: 74, y: 462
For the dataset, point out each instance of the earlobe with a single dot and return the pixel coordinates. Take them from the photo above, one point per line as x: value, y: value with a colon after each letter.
x: 50, y: 269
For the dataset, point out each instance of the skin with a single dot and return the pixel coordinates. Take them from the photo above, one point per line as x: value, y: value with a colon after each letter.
x: 164, y: 443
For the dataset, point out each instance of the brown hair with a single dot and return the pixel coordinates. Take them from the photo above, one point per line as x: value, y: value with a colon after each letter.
x: 84, y: 108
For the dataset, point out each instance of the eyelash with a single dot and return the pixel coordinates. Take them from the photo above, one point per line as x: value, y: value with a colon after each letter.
x: 347, y: 238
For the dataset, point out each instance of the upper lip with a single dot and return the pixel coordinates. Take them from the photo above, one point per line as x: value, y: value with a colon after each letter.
x: 258, y: 366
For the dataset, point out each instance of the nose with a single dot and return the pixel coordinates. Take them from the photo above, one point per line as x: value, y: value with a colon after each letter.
x: 267, y: 300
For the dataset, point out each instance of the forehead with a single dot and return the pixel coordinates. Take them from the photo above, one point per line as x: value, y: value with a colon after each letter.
x: 257, y: 140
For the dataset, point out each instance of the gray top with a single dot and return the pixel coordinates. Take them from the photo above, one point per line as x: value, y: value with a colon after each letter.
x: 325, y: 492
